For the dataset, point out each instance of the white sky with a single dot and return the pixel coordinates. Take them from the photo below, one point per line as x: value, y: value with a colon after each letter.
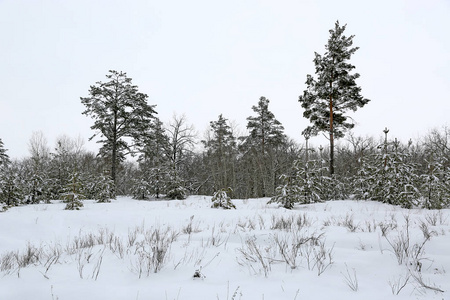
x: 203, y: 58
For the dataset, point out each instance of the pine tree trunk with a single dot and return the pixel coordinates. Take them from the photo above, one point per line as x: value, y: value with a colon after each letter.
x: 114, y: 151
x: 331, y: 133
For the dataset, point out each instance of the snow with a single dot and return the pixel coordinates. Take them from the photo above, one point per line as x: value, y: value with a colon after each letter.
x: 213, y: 241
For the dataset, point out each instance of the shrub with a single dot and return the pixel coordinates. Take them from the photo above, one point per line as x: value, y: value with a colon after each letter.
x: 221, y: 199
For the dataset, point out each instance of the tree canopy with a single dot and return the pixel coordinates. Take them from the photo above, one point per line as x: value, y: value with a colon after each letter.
x: 119, y: 111
x: 333, y: 92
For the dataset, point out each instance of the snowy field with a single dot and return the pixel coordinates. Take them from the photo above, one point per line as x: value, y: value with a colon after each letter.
x: 131, y: 249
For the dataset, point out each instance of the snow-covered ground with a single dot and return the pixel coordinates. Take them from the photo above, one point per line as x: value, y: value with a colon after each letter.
x: 333, y: 250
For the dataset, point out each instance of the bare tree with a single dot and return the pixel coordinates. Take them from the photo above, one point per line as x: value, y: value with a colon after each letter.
x: 38, y: 146
x: 181, y: 143
x: 181, y: 138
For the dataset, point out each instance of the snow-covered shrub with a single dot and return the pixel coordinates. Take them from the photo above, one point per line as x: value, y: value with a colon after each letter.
x: 178, y: 192
x: 153, y: 252
x: 255, y: 256
x: 222, y: 200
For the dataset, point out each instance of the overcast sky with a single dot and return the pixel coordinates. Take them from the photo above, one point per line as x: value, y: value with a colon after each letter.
x: 204, y: 58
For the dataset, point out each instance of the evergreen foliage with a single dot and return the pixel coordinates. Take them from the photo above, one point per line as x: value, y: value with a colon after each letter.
x: 154, y: 164
x: 221, y: 199
x: 263, y: 163
x: 333, y: 92
x: 11, y: 185
x: 221, y: 150
x: 435, y: 186
x: 102, y: 188
x: 390, y: 176
x: 141, y: 189
x: 305, y: 185
x: 119, y: 111
x: 409, y: 175
x: 261, y: 149
x: 4, y: 158
x: 73, y: 194
x: 265, y: 130
x: 177, y: 191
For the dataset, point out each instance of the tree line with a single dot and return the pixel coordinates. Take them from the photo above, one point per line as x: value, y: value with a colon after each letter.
x: 410, y: 174
x: 264, y: 162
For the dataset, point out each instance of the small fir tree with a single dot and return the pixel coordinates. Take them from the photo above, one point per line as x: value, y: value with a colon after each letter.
x: 392, y: 176
x: 359, y: 183
x: 141, y: 189
x: 103, y: 189
x: 175, y: 186
x: 73, y: 194
x: 435, y: 186
x: 304, y: 186
x: 288, y: 193
x: 221, y: 199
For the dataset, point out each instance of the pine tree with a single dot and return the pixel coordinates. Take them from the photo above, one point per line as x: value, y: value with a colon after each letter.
x: 120, y: 111
x: 266, y: 136
x: 220, y: 152
x: 328, y: 98
x: 4, y: 158
x: 265, y: 130
x: 154, y: 163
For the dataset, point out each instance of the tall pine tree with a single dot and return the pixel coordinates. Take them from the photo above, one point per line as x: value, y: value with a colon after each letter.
x: 329, y: 96
x: 120, y: 111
